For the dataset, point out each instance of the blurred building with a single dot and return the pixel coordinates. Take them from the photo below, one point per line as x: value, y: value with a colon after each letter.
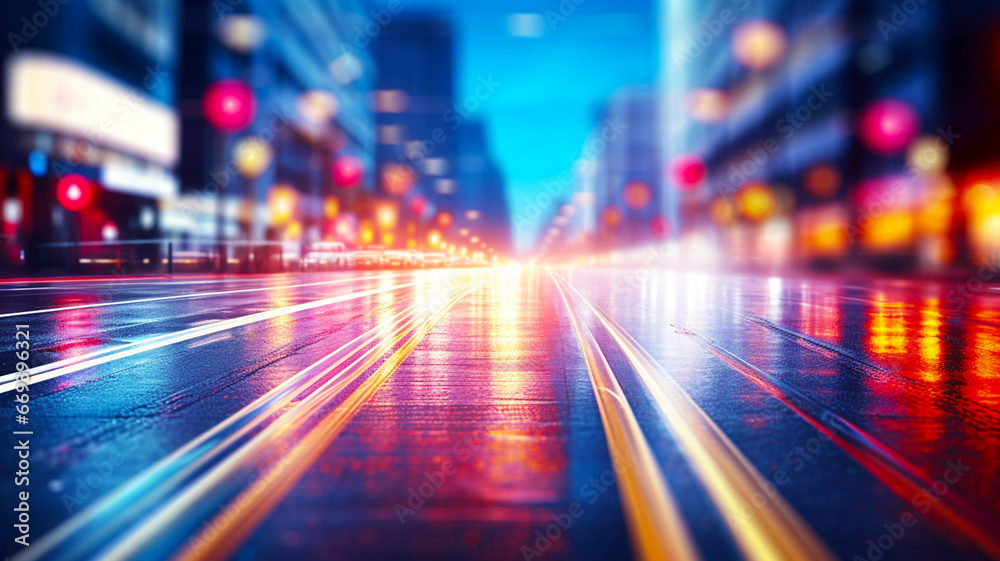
x: 417, y: 120
x: 824, y: 131
x: 433, y: 162
x: 90, y: 131
x: 482, y: 194
x: 628, y: 180
x: 297, y: 166
x: 614, y: 196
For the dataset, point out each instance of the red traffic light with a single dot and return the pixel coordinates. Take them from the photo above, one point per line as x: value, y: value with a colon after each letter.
x: 74, y: 192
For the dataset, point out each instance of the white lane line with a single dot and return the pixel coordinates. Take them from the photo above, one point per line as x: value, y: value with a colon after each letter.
x: 206, y: 448
x: 210, y: 340
x: 126, y: 282
x: 183, y: 296
x: 120, y: 281
x: 243, y: 514
x: 70, y: 365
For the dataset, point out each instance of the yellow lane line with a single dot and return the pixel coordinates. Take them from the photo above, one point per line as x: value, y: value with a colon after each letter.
x: 773, y: 530
x: 656, y: 525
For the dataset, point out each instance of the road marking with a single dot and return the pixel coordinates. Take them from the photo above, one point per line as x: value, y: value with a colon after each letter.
x: 774, y: 531
x: 69, y: 283
x: 243, y: 514
x: 655, y: 522
x: 185, y: 296
x: 75, y: 364
x: 897, y: 473
x: 104, y: 521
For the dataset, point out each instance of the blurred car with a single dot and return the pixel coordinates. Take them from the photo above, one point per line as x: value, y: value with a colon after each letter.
x: 435, y: 259
x: 459, y: 262
x: 326, y: 255
x: 394, y: 258
x: 368, y: 258
x: 414, y: 258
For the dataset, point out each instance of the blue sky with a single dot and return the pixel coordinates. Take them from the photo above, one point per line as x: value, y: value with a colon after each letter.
x: 553, y: 85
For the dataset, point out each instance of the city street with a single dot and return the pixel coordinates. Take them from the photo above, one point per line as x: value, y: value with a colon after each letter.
x: 508, y: 413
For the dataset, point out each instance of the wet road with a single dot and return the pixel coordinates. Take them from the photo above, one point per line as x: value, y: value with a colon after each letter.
x: 510, y: 413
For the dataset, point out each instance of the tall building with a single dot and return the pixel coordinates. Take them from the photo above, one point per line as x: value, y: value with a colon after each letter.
x: 628, y: 182
x: 482, y: 194
x: 433, y: 162
x: 417, y: 123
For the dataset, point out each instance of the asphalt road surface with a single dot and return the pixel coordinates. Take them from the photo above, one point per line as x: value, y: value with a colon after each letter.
x: 505, y: 413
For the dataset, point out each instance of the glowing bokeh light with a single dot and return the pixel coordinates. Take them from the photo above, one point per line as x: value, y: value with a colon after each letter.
x: 659, y: 227
x: 252, y: 156
x: 758, y: 44
x: 229, y: 105
x: 243, y: 33
x: 398, y: 179
x: 687, y: 172
x: 281, y: 202
x: 331, y: 207
x: 443, y: 220
x: 345, y: 227
x: 386, y: 215
x: 637, y: 195
x: 611, y: 216
x: 74, y: 192
x: 317, y: 106
x: 708, y: 105
x: 756, y: 201
x: 347, y: 171
x: 109, y: 231
x: 929, y: 154
x: 418, y: 206
x: 887, y: 126
x: 822, y: 181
